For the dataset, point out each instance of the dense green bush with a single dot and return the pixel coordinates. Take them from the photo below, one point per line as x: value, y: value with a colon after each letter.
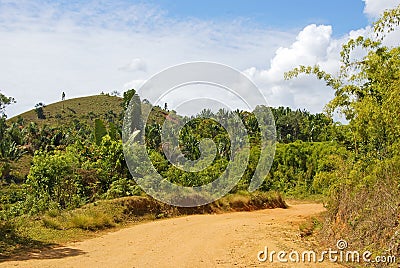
x: 53, y: 180
x: 81, y: 173
x: 298, y: 167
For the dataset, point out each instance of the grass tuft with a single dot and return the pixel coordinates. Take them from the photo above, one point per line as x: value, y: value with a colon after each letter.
x: 92, y: 221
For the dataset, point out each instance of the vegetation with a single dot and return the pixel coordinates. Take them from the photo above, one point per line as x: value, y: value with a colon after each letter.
x: 62, y: 166
x: 74, y: 157
x: 364, y: 188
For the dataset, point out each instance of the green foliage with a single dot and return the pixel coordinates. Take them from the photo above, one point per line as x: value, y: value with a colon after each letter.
x: 53, y: 179
x: 363, y: 204
x: 4, y: 102
x: 81, y: 173
x: 12, y: 197
x: 367, y: 90
x: 109, y: 162
x: 5, y: 169
x: 100, y: 131
x: 10, y: 139
x: 291, y: 126
x: 127, y: 96
x: 123, y: 187
x: 113, y: 131
x: 39, y: 111
x: 302, y: 125
x: 297, y: 165
x: 132, y: 113
x: 364, y: 188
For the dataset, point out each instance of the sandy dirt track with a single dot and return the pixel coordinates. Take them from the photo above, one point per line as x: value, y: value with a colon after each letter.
x: 223, y: 240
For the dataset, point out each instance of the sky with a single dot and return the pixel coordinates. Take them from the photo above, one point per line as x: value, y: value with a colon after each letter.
x: 87, y: 47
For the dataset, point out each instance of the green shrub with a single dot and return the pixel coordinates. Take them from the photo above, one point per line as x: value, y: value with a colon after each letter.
x: 52, y: 179
x: 297, y: 165
x: 123, y: 187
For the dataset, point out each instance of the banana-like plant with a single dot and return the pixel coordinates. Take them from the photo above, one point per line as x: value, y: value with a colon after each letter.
x: 10, y: 150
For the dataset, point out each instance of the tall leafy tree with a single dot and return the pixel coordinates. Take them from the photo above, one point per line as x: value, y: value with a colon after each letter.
x: 100, y: 131
x: 8, y: 147
x: 367, y: 92
x: 367, y: 89
x: 133, y: 113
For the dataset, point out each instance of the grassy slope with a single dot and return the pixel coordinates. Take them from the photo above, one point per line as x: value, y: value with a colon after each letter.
x: 78, y: 108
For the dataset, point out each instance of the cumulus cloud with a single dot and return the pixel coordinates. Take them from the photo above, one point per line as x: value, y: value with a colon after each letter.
x: 310, y: 47
x: 313, y: 45
x: 374, y: 8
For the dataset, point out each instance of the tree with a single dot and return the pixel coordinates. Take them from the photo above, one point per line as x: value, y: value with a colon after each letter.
x: 100, y: 131
x: 4, y: 102
x: 133, y: 113
x: 367, y: 90
x: 39, y: 110
x: 137, y: 123
x: 115, y: 93
x: 53, y: 180
x: 9, y: 139
x: 127, y: 98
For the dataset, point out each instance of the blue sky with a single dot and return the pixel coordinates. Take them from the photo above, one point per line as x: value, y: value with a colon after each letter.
x: 343, y: 15
x: 88, y: 47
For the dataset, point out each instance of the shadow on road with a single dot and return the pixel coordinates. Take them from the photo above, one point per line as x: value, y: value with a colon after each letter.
x: 47, y: 253
x: 14, y: 246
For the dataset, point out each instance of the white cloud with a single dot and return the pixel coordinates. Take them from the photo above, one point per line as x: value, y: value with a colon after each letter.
x: 46, y: 49
x: 310, y: 47
x: 135, y: 65
x: 374, y: 8
x: 87, y: 48
x: 313, y: 45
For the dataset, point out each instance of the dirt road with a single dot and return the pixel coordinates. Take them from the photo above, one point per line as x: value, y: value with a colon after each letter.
x: 223, y: 240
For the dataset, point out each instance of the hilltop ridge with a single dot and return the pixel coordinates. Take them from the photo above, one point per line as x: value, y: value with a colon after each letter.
x: 84, y: 109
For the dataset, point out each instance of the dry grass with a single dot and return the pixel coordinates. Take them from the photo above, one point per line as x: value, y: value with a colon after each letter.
x: 365, y: 211
x: 92, y: 221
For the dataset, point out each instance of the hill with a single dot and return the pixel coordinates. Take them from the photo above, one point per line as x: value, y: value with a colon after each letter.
x: 84, y: 109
